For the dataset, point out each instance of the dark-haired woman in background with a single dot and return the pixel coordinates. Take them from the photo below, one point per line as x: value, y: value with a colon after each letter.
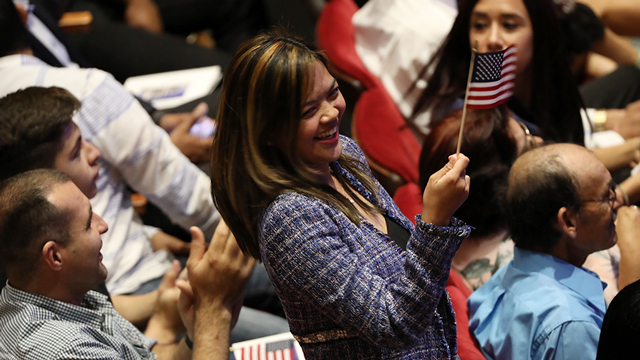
x: 493, y: 141
x: 545, y: 92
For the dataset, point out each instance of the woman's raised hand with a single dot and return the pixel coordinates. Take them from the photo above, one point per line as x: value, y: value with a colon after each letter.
x: 446, y: 190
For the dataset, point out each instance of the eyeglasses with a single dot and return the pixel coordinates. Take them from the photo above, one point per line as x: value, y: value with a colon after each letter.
x: 611, y: 199
x: 530, y: 140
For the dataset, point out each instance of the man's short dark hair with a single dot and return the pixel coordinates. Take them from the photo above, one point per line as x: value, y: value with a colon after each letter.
x: 28, y: 220
x: 32, y: 124
x: 534, y: 198
x: 14, y: 37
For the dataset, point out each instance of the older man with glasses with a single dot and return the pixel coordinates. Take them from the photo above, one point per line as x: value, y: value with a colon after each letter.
x: 561, y: 206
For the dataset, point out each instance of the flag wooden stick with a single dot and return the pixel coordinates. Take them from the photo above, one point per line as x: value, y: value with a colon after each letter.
x: 466, y: 95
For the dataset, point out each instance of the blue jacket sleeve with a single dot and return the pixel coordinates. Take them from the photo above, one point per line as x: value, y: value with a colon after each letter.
x: 303, y: 245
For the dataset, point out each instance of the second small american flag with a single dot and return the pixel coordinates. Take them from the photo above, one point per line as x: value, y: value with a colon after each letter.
x: 492, y: 79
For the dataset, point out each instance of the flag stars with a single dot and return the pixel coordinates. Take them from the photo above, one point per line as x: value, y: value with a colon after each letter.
x: 488, y: 67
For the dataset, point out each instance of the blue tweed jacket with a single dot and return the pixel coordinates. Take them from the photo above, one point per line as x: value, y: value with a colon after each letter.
x: 349, y: 292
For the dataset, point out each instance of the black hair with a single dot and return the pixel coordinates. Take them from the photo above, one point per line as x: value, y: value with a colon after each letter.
x: 534, y: 197
x: 621, y: 325
x: 14, y: 37
x: 491, y: 151
x: 28, y: 220
x: 32, y: 125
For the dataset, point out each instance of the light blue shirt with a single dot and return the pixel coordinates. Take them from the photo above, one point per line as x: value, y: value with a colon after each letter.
x: 538, y: 307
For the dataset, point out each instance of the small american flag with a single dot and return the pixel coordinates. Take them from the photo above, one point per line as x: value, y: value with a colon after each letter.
x: 492, y: 79
x: 277, y: 347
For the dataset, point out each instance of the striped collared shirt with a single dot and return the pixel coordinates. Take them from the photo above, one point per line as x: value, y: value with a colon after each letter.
x: 37, y: 327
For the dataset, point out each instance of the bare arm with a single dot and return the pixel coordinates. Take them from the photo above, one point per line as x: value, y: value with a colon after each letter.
x: 166, y: 324
x: 616, y: 48
x: 137, y: 309
x: 597, y: 65
x: 621, y: 16
x: 625, y: 122
x: 208, y: 301
x: 164, y: 241
x: 631, y: 186
x: 212, y: 328
x: 143, y: 14
x: 621, y: 156
x: 157, y: 310
x: 628, y: 229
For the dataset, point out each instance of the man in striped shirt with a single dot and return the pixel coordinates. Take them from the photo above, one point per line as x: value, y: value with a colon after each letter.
x: 135, y: 153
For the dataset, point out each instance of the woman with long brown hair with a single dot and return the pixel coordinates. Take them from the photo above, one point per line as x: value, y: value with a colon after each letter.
x: 356, y: 278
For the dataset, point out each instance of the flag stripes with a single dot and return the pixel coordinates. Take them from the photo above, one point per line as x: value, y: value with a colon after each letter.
x: 274, y: 350
x: 493, y: 78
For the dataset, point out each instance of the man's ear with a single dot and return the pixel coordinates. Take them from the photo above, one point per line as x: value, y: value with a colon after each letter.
x: 567, y: 221
x: 52, y: 255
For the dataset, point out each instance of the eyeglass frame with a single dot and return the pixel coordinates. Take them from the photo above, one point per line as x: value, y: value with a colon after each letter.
x: 611, y: 199
x: 530, y: 140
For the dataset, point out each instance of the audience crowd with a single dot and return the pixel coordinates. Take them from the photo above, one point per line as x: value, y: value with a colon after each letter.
x: 520, y: 240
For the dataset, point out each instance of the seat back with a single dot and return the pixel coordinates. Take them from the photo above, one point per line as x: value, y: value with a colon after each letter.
x: 336, y: 37
x: 383, y: 134
x: 468, y: 348
x: 408, y: 197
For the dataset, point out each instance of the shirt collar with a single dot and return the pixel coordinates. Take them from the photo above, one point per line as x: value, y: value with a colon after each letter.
x: 583, y: 281
x: 19, y: 59
x: 381, y: 200
x: 90, y: 310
